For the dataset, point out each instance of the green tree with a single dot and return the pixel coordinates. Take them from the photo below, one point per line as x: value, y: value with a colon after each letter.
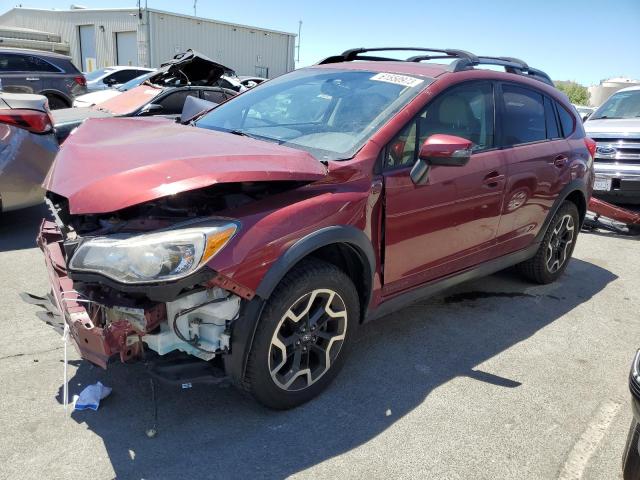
x: 577, y: 93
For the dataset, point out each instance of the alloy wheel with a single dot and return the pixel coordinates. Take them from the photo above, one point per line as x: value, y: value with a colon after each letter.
x: 307, y: 340
x: 560, y: 243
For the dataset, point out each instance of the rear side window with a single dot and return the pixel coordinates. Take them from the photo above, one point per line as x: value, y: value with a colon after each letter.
x: 553, y: 130
x: 566, y: 120
x: 172, y: 104
x: 523, y: 120
x: 121, y: 76
x: 39, y: 65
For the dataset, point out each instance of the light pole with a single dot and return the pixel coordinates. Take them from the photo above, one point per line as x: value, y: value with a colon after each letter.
x: 299, y: 32
x: 195, y: 6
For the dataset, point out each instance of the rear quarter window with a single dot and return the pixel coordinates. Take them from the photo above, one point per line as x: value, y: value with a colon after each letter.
x: 567, y: 121
x: 523, y: 119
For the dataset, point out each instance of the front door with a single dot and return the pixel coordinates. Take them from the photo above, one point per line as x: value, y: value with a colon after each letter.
x: 449, y: 223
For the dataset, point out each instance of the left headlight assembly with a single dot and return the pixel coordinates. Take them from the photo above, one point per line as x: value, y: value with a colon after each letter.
x: 152, y: 257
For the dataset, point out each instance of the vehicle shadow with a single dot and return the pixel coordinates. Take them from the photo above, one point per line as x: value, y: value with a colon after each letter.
x: 18, y: 229
x: 212, y: 432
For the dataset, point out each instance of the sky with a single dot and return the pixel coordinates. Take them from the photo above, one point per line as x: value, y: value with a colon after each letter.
x: 581, y: 40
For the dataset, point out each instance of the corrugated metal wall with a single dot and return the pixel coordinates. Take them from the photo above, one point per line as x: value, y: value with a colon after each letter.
x: 66, y: 24
x: 238, y: 47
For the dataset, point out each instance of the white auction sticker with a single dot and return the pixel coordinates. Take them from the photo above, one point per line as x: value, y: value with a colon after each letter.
x: 404, y: 80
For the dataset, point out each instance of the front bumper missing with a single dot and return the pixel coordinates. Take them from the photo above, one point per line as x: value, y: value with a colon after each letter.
x: 93, y: 343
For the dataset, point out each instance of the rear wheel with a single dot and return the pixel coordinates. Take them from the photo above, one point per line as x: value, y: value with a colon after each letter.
x: 552, y: 258
x: 56, y: 103
x: 303, y: 335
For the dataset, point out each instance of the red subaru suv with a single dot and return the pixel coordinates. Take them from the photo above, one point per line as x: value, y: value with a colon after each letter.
x: 259, y: 237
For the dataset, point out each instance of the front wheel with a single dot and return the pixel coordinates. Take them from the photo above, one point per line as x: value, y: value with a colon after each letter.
x: 303, y: 335
x: 556, y: 248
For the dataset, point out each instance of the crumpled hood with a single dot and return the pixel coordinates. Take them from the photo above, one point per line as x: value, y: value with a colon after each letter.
x: 113, y: 163
x: 622, y: 126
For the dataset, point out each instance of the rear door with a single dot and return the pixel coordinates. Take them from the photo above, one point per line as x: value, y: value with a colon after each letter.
x: 449, y: 223
x: 19, y: 73
x: 537, y: 163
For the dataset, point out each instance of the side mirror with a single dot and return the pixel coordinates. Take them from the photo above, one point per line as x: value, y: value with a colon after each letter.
x: 439, y: 149
x: 151, y: 109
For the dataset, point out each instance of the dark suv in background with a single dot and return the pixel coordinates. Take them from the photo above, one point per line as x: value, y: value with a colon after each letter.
x: 45, y: 73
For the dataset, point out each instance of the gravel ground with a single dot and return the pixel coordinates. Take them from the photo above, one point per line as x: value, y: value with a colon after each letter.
x: 494, y: 379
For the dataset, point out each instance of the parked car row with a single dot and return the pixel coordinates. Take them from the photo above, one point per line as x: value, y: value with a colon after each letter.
x: 160, y: 92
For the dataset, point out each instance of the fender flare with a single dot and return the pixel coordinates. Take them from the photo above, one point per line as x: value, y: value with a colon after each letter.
x: 244, y: 328
x: 575, y: 185
x: 57, y: 93
x: 337, y: 234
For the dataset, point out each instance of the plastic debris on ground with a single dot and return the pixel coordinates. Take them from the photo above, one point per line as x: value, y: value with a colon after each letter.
x: 90, y: 397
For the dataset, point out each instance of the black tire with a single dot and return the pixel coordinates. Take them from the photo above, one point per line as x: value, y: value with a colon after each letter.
x: 537, y: 268
x: 631, y: 457
x: 56, y: 103
x: 308, y: 284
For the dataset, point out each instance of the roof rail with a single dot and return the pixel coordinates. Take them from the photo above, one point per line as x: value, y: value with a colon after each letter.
x: 510, y: 64
x: 463, y: 60
x: 355, y: 54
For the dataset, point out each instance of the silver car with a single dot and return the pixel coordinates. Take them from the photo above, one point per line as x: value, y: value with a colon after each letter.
x: 27, y: 149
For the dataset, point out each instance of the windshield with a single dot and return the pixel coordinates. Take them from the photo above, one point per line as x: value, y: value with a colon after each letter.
x: 329, y: 113
x: 134, y: 82
x: 97, y: 74
x: 620, y: 105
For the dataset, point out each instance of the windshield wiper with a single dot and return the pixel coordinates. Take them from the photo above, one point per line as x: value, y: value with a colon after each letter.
x: 242, y: 133
x: 606, y: 117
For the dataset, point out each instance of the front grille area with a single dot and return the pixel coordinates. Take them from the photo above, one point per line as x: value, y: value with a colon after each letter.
x: 617, y: 150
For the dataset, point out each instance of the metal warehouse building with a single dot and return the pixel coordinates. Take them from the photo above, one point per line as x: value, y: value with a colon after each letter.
x: 146, y: 37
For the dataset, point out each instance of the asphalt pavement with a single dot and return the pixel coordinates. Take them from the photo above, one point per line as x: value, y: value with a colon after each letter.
x: 495, y: 379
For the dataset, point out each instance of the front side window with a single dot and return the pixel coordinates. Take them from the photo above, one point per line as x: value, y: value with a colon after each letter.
x: 619, y: 105
x: 330, y: 113
x: 466, y: 111
x: 523, y: 120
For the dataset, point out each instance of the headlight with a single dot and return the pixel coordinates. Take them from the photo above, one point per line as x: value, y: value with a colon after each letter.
x: 152, y: 257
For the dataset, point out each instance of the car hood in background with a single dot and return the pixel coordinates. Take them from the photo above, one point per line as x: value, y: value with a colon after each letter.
x: 95, y: 98
x: 111, y: 164
x: 130, y: 101
x: 621, y: 127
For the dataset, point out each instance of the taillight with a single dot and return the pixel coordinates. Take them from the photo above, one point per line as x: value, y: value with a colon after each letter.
x: 31, y: 120
x: 80, y: 80
x: 591, y: 146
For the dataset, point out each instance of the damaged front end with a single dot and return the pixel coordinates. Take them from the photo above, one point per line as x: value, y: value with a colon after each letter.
x: 128, y: 282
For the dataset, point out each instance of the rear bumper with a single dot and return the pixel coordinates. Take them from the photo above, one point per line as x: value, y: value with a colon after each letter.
x: 93, y: 343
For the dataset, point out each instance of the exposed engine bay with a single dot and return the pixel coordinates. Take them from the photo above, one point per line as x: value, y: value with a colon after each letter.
x: 193, y: 315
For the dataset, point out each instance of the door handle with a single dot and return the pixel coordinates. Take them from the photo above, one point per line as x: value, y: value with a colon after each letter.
x: 560, y: 161
x: 32, y: 79
x: 493, y: 179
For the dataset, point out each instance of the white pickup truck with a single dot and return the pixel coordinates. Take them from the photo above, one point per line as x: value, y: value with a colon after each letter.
x: 615, y: 127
